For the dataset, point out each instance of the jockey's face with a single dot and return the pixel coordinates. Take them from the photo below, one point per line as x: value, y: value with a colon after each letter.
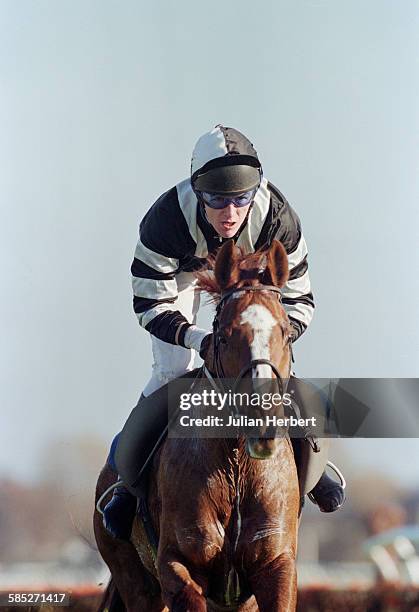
x: 227, y: 221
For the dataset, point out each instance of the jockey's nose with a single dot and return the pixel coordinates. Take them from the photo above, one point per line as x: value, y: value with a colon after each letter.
x: 230, y: 208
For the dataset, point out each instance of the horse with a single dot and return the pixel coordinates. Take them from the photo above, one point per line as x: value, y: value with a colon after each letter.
x: 225, y: 511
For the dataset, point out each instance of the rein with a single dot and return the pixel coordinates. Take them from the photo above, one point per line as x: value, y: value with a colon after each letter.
x: 218, y: 373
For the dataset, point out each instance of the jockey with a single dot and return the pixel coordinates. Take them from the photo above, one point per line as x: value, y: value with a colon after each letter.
x: 226, y: 197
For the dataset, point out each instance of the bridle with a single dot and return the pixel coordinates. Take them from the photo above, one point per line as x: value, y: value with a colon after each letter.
x: 217, y: 372
x: 217, y: 366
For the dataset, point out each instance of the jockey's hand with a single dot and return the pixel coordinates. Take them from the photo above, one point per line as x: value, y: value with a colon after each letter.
x: 195, y: 336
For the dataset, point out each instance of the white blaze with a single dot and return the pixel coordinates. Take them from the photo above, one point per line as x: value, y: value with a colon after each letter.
x: 261, y: 322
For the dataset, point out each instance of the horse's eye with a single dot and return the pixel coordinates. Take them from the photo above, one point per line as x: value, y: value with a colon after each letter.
x: 221, y: 338
x: 289, y: 337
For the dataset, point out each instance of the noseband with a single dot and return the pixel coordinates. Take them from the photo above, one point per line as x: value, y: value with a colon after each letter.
x: 218, y: 369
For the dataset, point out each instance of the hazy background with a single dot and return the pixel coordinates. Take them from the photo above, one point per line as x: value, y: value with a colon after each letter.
x: 101, y: 104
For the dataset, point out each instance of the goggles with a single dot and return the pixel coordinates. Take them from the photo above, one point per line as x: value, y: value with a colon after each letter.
x: 218, y: 201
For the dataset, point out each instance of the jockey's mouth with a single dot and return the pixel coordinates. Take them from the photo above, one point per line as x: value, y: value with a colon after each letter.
x: 228, y: 224
x: 228, y: 229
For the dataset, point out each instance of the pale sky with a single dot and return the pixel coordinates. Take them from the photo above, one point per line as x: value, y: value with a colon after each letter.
x: 101, y: 104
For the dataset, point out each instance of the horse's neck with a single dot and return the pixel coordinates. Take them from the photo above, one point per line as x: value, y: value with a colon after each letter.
x: 215, y: 453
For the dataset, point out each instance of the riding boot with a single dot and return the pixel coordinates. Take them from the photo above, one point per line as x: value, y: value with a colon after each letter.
x: 119, y: 513
x: 328, y: 494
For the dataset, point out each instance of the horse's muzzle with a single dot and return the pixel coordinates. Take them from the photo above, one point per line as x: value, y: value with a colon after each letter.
x: 260, y: 448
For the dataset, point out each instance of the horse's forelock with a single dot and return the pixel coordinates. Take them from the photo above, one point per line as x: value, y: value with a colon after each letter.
x: 250, y: 266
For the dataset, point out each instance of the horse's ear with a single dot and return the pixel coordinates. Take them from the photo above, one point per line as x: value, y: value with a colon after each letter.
x: 276, y: 271
x: 226, y: 270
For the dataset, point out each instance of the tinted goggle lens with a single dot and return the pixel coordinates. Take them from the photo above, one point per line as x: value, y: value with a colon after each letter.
x: 216, y: 201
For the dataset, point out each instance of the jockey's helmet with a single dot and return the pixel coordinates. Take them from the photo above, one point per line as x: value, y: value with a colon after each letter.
x: 225, y: 162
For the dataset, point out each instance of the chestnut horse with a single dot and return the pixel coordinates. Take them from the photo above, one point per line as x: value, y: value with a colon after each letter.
x: 225, y: 510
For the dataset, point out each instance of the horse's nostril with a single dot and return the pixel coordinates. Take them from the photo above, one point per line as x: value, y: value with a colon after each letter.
x: 259, y: 449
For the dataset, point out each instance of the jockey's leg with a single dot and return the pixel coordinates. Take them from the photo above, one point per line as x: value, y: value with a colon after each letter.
x: 328, y: 494
x: 169, y: 362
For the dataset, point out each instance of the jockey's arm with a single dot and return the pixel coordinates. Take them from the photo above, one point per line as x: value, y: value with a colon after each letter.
x: 297, y: 296
x: 162, y: 241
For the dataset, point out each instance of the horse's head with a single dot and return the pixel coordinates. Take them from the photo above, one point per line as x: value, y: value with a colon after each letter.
x: 252, y: 332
